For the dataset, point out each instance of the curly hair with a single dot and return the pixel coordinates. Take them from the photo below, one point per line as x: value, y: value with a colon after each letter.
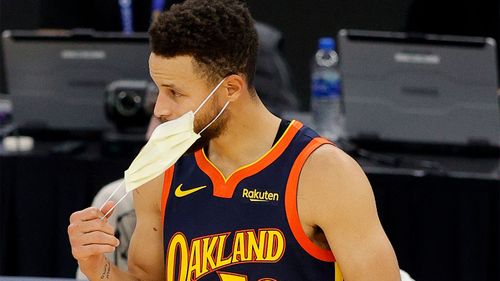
x: 219, y: 35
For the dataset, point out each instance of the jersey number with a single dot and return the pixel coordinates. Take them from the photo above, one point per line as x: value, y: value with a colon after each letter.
x: 226, y: 276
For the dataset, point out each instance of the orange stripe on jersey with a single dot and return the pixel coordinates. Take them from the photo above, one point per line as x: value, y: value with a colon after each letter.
x: 224, y: 187
x: 292, y: 213
x: 167, y: 182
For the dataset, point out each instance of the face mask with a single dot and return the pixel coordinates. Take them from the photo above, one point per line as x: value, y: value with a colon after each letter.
x: 166, y: 145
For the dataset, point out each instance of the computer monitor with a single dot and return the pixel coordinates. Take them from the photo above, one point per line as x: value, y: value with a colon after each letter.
x: 428, y: 89
x: 57, y: 80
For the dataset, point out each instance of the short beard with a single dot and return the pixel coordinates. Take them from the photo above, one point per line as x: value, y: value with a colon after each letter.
x: 215, y: 130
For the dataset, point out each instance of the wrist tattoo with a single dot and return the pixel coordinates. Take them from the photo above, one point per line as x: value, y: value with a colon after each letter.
x: 107, y: 271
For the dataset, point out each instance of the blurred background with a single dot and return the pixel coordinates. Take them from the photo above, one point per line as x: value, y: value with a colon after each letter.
x: 301, y: 23
x: 428, y: 138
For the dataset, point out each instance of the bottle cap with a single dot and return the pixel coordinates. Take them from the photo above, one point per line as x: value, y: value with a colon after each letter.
x: 326, y: 43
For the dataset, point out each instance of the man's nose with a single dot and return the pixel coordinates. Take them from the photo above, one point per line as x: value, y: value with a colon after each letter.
x: 163, y: 107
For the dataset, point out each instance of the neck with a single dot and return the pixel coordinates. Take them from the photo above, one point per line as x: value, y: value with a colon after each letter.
x: 250, y: 132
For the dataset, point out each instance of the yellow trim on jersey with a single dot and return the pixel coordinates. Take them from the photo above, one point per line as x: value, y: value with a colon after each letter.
x: 338, y: 273
x: 253, y: 163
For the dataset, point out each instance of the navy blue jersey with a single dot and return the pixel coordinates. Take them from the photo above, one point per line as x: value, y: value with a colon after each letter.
x: 246, y: 226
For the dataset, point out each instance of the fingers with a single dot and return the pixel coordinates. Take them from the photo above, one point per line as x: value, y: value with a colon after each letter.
x: 91, y: 213
x: 95, y: 238
x: 84, y: 215
x: 89, y: 235
x: 107, y: 207
x: 90, y: 226
x: 85, y: 245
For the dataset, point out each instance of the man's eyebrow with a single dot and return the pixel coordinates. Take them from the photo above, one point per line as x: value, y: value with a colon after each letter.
x: 171, y: 86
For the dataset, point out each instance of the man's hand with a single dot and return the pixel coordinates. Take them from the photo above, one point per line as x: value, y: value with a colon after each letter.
x: 90, y: 238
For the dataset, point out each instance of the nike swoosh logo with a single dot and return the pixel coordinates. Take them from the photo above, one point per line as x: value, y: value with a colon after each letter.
x: 181, y: 193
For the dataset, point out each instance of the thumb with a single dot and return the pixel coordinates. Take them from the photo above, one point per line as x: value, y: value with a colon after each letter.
x: 107, y: 207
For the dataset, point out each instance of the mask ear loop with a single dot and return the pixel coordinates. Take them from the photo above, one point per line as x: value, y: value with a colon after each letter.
x: 216, y: 117
x: 114, y: 206
x: 209, y: 95
x: 113, y: 193
x: 109, y: 197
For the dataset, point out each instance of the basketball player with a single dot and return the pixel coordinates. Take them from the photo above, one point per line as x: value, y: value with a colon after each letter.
x: 258, y: 198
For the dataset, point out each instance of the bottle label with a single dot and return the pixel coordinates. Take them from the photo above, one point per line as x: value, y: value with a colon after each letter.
x: 326, y: 84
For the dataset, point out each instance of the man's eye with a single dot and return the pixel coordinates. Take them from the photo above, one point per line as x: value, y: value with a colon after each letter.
x: 175, y: 93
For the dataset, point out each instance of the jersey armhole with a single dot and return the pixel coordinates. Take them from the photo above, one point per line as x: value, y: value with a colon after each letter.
x: 291, y: 210
x: 167, y: 182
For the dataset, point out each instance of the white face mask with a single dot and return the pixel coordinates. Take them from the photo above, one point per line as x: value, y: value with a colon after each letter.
x: 167, y: 144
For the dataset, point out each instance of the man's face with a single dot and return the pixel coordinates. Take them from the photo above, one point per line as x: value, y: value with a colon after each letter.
x: 181, y: 89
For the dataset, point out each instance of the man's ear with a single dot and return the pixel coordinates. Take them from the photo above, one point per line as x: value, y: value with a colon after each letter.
x: 235, y: 86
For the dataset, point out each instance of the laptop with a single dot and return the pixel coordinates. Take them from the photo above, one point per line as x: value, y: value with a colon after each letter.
x: 427, y: 89
x: 57, y: 80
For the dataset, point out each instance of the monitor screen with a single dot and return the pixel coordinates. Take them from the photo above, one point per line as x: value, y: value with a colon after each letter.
x: 407, y: 89
x: 58, y: 81
x: 303, y: 22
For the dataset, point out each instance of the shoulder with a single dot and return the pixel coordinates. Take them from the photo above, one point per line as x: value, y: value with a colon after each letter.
x: 335, y: 195
x: 332, y: 162
x: 331, y: 181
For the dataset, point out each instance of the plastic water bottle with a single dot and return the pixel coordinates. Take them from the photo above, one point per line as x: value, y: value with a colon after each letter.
x: 326, y: 98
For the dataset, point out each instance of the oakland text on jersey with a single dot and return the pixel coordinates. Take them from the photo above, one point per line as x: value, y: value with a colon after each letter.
x: 205, y: 254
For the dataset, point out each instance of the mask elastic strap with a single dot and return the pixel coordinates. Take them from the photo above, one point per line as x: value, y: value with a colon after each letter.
x: 109, y: 197
x: 114, y: 206
x: 113, y: 193
x: 209, y: 95
x: 213, y: 120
